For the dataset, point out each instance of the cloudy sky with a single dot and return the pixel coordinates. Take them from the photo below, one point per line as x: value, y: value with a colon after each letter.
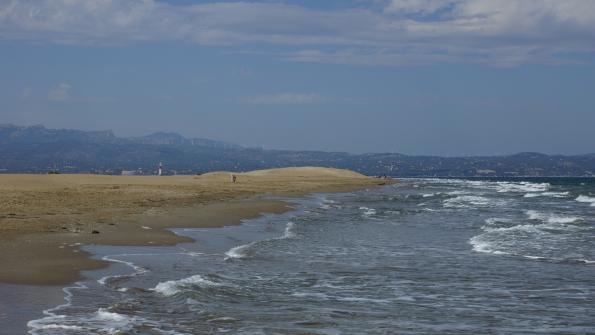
x: 447, y: 77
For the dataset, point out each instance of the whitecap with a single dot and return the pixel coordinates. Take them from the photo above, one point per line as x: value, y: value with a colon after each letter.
x: 59, y: 326
x: 289, y: 231
x: 533, y: 195
x: 494, y: 221
x: 552, y: 218
x: 586, y: 199
x: 104, y: 314
x: 193, y: 253
x: 535, y: 215
x: 172, y: 287
x: 564, y: 219
x: 457, y: 192
x: 586, y: 261
x: 480, y: 244
x: 368, y: 211
x: 528, y: 228
x: 328, y: 204
x: 239, y: 252
x: 470, y: 201
x: 523, y: 186
x: 547, y: 194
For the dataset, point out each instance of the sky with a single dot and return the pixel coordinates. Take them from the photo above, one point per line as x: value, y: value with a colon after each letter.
x: 424, y: 77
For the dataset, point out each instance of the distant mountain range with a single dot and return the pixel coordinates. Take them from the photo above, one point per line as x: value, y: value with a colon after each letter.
x: 37, y: 149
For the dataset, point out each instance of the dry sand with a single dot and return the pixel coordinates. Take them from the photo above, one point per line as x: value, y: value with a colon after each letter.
x: 45, y: 218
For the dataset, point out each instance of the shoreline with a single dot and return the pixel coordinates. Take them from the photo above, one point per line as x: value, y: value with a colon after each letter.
x: 41, y: 243
x: 202, y: 242
x: 27, y: 302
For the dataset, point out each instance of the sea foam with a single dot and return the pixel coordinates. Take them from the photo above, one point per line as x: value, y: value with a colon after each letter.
x: 173, y: 287
x: 586, y: 199
x: 289, y: 231
x: 547, y: 194
x: 104, y: 314
x: 239, y: 252
x: 552, y: 218
x: 480, y: 244
x: 368, y: 211
x: 470, y: 201
x: 521, y: 187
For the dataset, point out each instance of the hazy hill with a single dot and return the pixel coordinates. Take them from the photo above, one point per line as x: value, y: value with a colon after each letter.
x: 38, y: 150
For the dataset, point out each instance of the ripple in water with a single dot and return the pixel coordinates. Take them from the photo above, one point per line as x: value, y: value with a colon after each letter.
x: 426, y: 256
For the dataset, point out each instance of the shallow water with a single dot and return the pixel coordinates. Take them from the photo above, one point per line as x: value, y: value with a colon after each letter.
x: 426, y: 256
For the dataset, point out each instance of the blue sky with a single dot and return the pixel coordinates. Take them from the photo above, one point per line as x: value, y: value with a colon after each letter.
x: 450, y: 77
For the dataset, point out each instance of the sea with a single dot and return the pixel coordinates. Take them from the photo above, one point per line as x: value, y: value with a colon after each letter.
x: 422, y: 256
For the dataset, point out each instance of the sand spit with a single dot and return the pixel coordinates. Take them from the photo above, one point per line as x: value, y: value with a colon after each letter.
x: 44, y: 219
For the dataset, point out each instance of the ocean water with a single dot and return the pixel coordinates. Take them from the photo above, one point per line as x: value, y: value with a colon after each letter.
x: 424, y: 256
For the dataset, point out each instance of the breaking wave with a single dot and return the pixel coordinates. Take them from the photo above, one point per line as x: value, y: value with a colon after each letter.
x: 368, y: 211
x: 498, y: 186
x: 289, y: 231
x: 547, y: 194
x: 471, y: 201
x: 521, y: 187
x: 552, y: 218
x: 586, y: 199
x: 239, y: 252
x: 173, y: 287
x: 538, y: 236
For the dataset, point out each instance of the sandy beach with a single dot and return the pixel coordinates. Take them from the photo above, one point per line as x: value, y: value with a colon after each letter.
x: 44, y: 219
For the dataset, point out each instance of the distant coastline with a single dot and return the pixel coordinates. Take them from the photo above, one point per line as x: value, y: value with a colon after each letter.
x: 41, y: 150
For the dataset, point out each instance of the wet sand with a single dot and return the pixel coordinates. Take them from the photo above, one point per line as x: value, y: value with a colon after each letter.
x: 44, y: 219
x: 22, y: 303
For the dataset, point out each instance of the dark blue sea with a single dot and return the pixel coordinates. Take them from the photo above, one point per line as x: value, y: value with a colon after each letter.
x: 423, y: 256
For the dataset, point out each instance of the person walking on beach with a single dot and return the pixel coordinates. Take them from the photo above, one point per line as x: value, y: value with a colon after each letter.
x: 233, y: 178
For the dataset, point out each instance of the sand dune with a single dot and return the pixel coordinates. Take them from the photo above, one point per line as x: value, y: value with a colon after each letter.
x: 308, y: 171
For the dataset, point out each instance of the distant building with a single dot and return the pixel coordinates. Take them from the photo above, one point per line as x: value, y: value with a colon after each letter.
x: 129, y: 173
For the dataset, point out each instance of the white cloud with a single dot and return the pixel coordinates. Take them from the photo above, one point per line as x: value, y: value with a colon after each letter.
x: 286, y: 99
x: 418, y: 6
x: 497, y: 32
x: 59, y: 92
